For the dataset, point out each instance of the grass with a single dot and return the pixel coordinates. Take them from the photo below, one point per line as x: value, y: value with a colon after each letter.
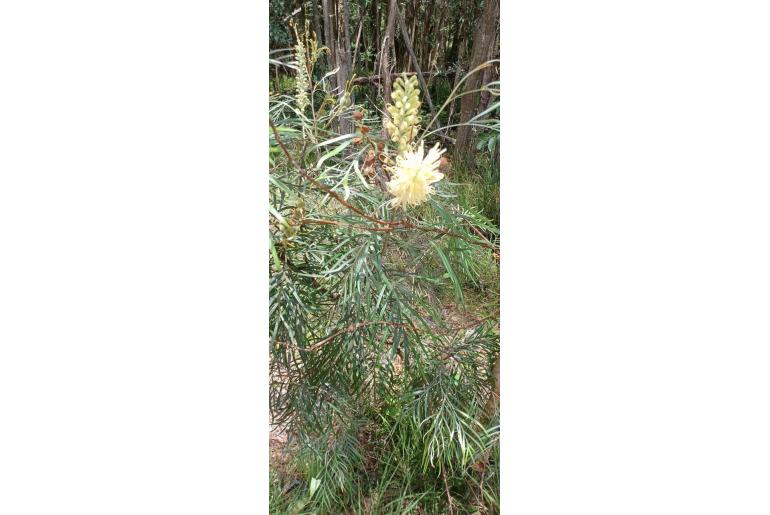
x: 479, y: 178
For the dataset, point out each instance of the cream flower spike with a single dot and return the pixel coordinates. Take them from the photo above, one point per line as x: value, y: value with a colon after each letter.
x: 413, y: 175
x: 404, y: 122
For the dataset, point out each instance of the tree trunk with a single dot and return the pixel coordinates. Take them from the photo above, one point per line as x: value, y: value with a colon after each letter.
x: 348, y: 61
x: 454, y: 50
x: 410, y: 42
x: 317, y: 22
x: 484, y: 38
x: 427, y: 39
x: 458, y: 77
x: 346, y: 25
x: 343, y: 63
x: 343, y: 75
x: 384, y: 64
x: 338, y: 43
x: 489, y: 75
x: 376, y: 23
x: 329, y: 36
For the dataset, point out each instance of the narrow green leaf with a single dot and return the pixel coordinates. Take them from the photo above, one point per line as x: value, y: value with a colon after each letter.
x: 332, y: 153
x: 274, y: 253
x: 450, y: 272
x: 330, y: 141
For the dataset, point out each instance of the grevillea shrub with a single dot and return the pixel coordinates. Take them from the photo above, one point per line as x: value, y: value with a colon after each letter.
x: 387, y: 406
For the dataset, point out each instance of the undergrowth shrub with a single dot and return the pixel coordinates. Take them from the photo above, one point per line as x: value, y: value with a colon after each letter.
x: 387, y: 403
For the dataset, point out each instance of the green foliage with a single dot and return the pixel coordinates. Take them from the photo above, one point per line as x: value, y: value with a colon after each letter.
x: 278, y: 30
x: 386, y: 399
x: 479, y: 186
x: 442, y: 88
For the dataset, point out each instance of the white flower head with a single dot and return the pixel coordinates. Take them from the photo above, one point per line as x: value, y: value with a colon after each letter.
x: 413, y: 175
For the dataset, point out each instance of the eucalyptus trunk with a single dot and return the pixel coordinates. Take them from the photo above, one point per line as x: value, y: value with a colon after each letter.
x: 483, y: 41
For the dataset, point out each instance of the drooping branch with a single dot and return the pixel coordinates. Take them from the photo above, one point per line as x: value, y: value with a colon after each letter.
x: 355, y: 327
x: 358, y: 40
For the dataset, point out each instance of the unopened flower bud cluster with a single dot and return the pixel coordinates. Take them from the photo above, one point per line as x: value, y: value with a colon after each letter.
x: 404, y: 112
x: 303, y: 77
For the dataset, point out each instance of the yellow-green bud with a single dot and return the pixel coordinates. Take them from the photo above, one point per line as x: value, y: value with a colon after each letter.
x: 404, y: 112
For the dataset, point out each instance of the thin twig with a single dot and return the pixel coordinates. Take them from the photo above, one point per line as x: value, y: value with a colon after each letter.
x: 380, y: 77
x: 484, y: 243
x: 317, y: 221
x: 449, y: 496
x: 358, y: 39
x: 350, y: 329
x: 477, y: 322
x: 319, y: 185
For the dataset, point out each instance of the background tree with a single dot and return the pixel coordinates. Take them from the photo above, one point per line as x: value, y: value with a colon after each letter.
x: 484, y: 49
